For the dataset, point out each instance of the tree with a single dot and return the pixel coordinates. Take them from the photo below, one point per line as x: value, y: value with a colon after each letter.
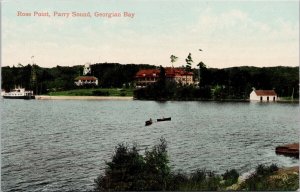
x: 173, y: 59
x: 157, y: 167
x: 201, y: 67
x: 33, y: 79
x: 189, y: 62
x: 160, y: 85
x: 130, y: 171
x: 20, y: 65
x: 188, y: 66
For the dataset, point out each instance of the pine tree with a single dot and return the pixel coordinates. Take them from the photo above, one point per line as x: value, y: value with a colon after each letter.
x: 188, y: 66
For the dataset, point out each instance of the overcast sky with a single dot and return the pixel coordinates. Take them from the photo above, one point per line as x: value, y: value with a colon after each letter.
x: 230, y: 33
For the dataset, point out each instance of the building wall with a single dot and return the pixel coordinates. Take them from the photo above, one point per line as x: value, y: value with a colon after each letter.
x: 80, y: 82
x: 144, y: 81
x: 151, y: 76
x: 182, y: 79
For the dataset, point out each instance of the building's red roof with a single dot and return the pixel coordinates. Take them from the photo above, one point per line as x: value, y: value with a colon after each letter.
x: 265, y: 92
x: 86, y: 78
x: 170, y: 72
x: 147, y: 73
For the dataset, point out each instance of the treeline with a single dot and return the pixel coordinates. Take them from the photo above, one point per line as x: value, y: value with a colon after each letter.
x: 228, y: 83
x: 61, y: 78
x: 115, y: 75
x: 237, y: 82
x: 128, y: 170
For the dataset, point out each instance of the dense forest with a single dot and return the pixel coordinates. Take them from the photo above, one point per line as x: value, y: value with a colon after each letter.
x: 230, y: 83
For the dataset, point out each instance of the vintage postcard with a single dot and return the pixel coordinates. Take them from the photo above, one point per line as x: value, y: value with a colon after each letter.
x: 162, y: 95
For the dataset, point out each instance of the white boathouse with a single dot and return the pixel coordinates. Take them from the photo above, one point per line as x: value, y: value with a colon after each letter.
x: 263, y: 95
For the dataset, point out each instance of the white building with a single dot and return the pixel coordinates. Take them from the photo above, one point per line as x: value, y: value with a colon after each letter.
x: 86, y: 80
x: 263, y: 95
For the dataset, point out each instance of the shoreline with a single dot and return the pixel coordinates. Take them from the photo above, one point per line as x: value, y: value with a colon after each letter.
x: 48, y: 97
x: 56, y: 97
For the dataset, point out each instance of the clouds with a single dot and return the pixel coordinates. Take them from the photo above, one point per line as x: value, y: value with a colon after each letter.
x: 230, y: 35
x: 235, y: 38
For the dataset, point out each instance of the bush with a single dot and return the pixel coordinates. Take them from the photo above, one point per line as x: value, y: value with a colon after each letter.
x: 230, y: 177
x: 122, y: 92
x: 123, y: 172
x: 263, y: 170
x: 100, y: 93
x: 290, y: 183
x: 176, y: 180
x: 202, y: 180
x: 198, y: 176
x: 203, y: 93
x: 260, y: 180
x: 130, y: 171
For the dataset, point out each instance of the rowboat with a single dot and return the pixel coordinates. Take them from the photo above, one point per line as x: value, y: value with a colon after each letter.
x: 149, y: 122
x: 164, y: 119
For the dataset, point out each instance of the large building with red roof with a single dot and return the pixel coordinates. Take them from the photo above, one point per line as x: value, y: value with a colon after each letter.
x: 146, y: 77
x: 263, y: 95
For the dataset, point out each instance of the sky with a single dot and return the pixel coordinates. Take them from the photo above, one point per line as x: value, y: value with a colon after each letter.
x: 230, y: 33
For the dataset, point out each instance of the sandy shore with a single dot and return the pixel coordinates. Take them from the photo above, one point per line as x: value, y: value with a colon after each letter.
x: 47, y: 97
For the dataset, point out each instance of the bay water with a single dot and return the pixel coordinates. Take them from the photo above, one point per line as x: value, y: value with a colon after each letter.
x: 62, y: 145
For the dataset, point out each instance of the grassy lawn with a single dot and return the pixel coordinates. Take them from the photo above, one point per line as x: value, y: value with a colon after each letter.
x: 94, y: 92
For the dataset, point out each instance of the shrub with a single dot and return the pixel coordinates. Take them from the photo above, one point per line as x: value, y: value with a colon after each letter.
x: 100, y: 93
x: 198, y: 176
x: 123, y: 94
x: 176, y: 180
x: 263, y: 170
x: 130, y: 171
x: 259, y: 180
x: 122, y: 171
x: 157, y: 168
x: 230, y: 177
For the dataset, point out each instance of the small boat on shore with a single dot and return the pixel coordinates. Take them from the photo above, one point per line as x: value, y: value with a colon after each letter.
x: 164, y: 119
x: 149, y: 122
x: 19, y: 93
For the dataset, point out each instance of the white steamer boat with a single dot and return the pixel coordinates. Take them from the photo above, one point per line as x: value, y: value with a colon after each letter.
x: 19, y: 93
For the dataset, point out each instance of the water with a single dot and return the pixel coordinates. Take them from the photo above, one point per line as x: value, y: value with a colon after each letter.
x: 63, y: 145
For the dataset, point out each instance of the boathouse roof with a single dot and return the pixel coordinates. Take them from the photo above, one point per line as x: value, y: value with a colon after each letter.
x: 265, y: 93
